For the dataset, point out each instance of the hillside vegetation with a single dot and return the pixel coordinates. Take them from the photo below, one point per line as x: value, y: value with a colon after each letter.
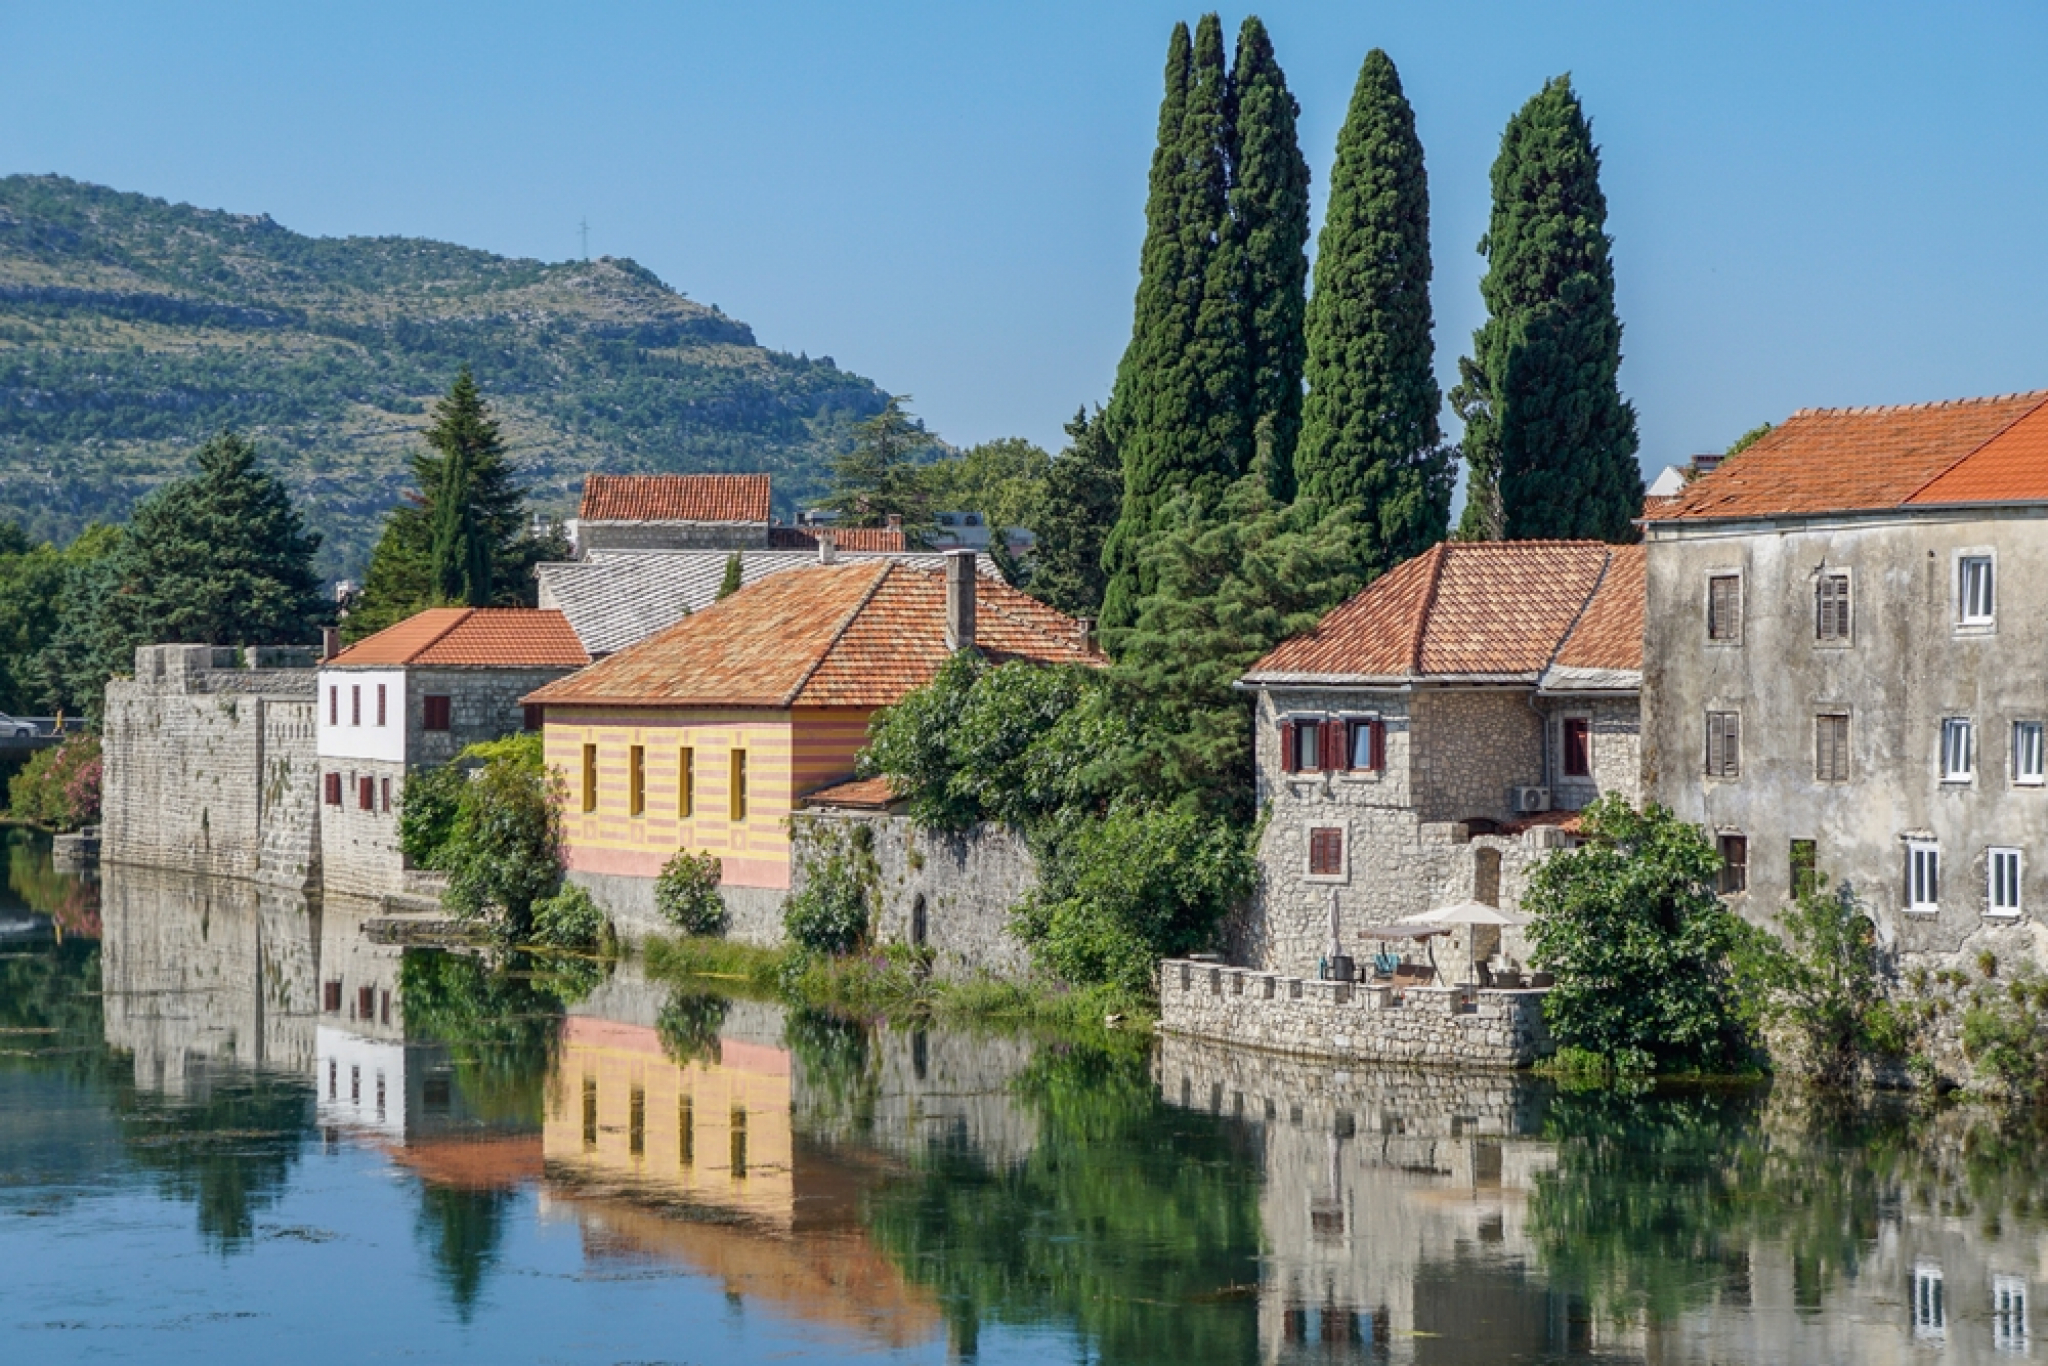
x: 132, y: 329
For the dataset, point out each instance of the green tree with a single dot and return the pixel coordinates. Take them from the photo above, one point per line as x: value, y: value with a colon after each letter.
x: 1370, y: 440
x: 1003, y: 480
x: 1077, y: 505
x: 731, y: 582
x: 1645, y: 953
x: 1179, y: 416
x: 505, y: 851
x: 882, y: 475
x: 464, y: 537
x: 1823, y: 988
x: 34, y: 596
x: 1549, y: 442
x: 1269, y: 213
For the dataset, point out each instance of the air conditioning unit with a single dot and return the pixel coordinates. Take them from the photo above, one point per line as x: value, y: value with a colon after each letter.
x: 1527, y: 801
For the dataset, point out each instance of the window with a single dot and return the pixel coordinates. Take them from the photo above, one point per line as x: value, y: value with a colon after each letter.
x: 1831, y: 748
x: 1958, y: 750
x: 1805, y: 861
x: 2009, y: 1313
x: 1976, y: 591
x: 1578, y: 747
x: 1734, y: 864
x: 2004, y: 879
x: 366, y: 793
x: 355, y: 704
x: 636, y: 1121
x: 1724, y: 607
x: 739, y: 784
x: 1930, y: 1314
x: 334, y: 789
x: 1325, y: 851
x: 739, y: 1142
x: 1301, y: 743
x: 590, y: 777
x: 532, y: 716
x: 330, y: 1001
x: 1923, y: 876
x: 2026, y: 753
x: 434, y: 712
x: 1368, y: 744
x: 385, y: 803
x: 686, y: 1130
x: 636, y: 781
x: 333, y: 704
x: 686, y: 782
x: 382, y: 691
x: 1831, y: 608
x: 1724, y: 744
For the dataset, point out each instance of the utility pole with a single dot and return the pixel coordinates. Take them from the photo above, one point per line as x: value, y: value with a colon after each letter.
x: 584, y: 227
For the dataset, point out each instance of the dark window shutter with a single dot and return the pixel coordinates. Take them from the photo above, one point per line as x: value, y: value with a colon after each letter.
x: 1333, y: 745
x: 1379, y: 745
x: 1287, y: 764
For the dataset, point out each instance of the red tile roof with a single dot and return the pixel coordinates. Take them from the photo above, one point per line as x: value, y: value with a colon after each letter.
x: 865, y: 794
x: 867, y: 539
x: 1488, y: 608
x: 1819, y: 460
x: 1609, y: 633
x: 675, y: 498
x: 860, y: 634
x: 472, y: 637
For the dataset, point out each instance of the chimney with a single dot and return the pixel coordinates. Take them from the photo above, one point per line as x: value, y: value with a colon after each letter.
x: 828, y: 548
x: 1084, y: 631
x: 960, y: 578
x: 330, y: 641
x: 895, y: 521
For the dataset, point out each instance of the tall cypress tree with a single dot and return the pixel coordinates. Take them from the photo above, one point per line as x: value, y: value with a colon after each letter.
x: 1549, y: 442
x: 1269, y: 212
x: 1178, y: 415
x: 1370, y: 439
x: 1076, y: 506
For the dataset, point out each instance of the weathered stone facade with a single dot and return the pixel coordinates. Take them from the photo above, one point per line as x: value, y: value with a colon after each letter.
x: 209, y: 767
x: 950, y: 893
x: 652, y: 535
x: 1366, y: 1023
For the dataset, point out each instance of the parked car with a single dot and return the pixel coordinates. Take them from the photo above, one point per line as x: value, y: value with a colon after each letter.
x: 16, y: 727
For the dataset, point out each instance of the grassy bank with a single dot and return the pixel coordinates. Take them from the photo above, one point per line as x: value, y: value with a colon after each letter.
x: 893, y: 985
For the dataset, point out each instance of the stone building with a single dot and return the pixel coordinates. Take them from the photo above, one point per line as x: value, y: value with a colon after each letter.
x: 1844, y: 668
x: 705, y: 736
x: 1428, y: 740
x: 413, y: 696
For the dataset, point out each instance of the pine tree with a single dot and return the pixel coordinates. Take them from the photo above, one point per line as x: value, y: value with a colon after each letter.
x: 1269, y: 213
x: 1077, y: 506
x: 880, y: 476
x: 1370, y: 440
x: 1179, y: 416
x: 1549, y: 443
x: 730, y: 584
x: 462, y: 538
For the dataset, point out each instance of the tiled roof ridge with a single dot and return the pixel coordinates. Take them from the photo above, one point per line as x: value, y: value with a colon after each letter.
x: 1585, y: 605
x: 2039, y: 396
x: 839, y: 632
x: 1438, y: 553
x: 462, y: 614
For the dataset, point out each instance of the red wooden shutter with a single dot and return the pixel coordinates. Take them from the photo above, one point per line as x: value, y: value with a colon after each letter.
x: 1333, y: 745
x: 1379, y: 745
x: 1287, y: 764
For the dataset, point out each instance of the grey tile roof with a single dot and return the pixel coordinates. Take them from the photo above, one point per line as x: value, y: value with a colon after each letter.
x: 617, y: 598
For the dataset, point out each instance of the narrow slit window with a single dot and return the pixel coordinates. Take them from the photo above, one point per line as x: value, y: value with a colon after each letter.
x: 739, y: 1142
x: 333, y: 704
x: 589, y: 1114
x: 636, y: 780
x: 2004, y: 877
x: 383, y: 701
x: 686, y: 782
x: 355, y: 704
x: 636, y: 1122
x: 590, y: 778
x: 1578, y: 747
x: 686, y: 1131
x: 739, y: 785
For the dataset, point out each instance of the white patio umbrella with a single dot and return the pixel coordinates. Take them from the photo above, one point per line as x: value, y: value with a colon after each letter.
x: 1469, y: 913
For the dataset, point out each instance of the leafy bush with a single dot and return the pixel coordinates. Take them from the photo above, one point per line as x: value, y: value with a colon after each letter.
x: 1138, y: 883
x: 571, y: 920
x: 2005, y: 1036
x: 1644, y: 951
x: 506, y: 850
x: 59, y: 788
x: 1824, y: 987
x: 689, y: 1023
x: 687, y: 893
x: 426, y: 812
x: 830, y: 915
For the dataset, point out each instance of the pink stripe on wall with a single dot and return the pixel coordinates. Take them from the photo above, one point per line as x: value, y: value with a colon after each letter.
x: 737, y: 872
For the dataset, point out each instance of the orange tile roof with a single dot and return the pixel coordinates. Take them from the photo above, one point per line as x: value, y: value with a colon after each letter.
x: 1490, y: 608
x: 675, y: 498
x: 472, y: 637
x: 1609, y: 633
x: 1867, y: 459
x: 865, y: 539
x: 867, y: 794
x: 860, y: 634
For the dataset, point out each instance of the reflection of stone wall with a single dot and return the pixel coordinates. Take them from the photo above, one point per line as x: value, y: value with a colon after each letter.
x: 199, y: 970
x: 923, y: 1089
x: 1339, y: 1020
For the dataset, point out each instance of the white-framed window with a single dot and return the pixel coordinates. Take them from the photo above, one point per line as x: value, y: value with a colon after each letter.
x: 1831, y: 617
x: 2002, y: 875
x: 1958, y: 750
x: 1724, y: 607
x: 1923, y: 876
x: 2009, y: 1313
x: 1976, y: 590
x: 1930, y: 1312
x: 2027, y: 755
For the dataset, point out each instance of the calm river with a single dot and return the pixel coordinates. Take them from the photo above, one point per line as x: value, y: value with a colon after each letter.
x: 232, y: 1130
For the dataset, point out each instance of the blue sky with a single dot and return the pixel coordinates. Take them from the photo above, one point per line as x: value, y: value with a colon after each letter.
x: 1812, y: 204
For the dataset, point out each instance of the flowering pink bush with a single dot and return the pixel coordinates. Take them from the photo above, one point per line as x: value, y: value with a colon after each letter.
x: 59, y: 788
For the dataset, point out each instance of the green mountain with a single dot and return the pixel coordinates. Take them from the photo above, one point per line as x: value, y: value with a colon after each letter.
x: 132, y: 329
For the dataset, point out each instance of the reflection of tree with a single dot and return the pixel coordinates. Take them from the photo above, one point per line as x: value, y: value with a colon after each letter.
x: 462, y: 1229
x: 1131, y: 1222
x: 833, y: 1053
x: 689, y: 1023
x: 67, y: 898
x: 501, y: 1024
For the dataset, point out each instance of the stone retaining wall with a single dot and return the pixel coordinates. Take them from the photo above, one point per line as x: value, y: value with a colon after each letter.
x: 1421, y: 1026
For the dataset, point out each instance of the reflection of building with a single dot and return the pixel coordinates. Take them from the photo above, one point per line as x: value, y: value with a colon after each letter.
x: 694, y: 1161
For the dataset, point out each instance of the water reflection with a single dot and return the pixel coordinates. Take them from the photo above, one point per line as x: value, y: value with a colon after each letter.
x: 757, y: 1180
